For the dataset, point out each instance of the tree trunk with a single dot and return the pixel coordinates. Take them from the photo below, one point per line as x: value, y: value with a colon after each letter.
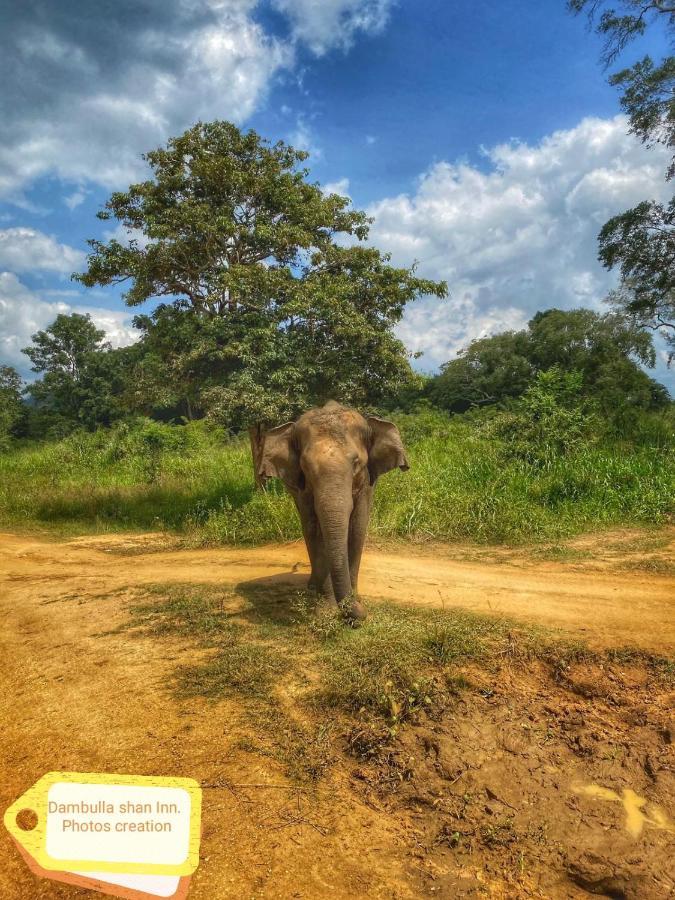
x: 256, y: 435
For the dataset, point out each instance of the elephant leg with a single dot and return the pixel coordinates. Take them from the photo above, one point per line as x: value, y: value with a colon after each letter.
x: 358, y: 528
x: 320, y: 578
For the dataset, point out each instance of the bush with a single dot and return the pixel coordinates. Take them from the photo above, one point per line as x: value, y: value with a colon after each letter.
x: 552, y: 419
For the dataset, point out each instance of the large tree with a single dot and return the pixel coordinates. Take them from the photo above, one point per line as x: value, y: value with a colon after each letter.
x: 640, y: 242
x: 11, y: 403
x: 83, y: 379
x: 269, y: 303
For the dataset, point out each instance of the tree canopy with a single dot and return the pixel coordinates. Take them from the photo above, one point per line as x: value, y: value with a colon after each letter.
x: 604, y: 351
x: 269, y: 300
x: 640, y: 242
x: 82, y: 377
x: 11, y: 404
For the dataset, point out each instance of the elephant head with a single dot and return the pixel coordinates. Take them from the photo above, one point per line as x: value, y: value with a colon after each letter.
x: 330, y: 460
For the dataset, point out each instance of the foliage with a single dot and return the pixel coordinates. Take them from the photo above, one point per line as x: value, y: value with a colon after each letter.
x: 641, y: 241
x: 621, y: 25
x: 551, y: 420
x: 267, y: 313
x: 83, y: 378
x: 489, y: 370
x: 604, y: 349
x: 11, y: 404
x: 465, y: 483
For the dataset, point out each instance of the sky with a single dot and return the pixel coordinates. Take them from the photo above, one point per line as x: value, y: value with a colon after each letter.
x: 483, y: 138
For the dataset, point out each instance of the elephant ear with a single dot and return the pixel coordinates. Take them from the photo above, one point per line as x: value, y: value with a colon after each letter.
x: 386, y: 448
x: 279, y: 457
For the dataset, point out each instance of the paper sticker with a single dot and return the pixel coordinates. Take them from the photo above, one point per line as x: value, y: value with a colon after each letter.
x: 89, y: 823
x: 117, y: 884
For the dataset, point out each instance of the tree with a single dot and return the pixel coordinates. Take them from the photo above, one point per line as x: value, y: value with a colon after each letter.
x: 489, y: 370
x: 619, y: 26
x: 553, y: 418
x: 265, y: 313
x: 641, y: 241
x: 605, y: 352
x: 83, y: 379
x: 11, y: 404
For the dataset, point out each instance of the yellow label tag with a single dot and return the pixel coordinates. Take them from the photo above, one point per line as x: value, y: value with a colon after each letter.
x: 86, y: 822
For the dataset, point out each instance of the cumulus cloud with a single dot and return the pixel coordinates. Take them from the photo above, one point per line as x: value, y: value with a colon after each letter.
x: 324, y: 24
x: 28, y: 250
x: 341, y: 187
x: 84, y: 109
x: 517, y: 235
x: 23, y: 312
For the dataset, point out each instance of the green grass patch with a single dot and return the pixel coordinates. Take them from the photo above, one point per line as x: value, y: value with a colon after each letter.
x: 463, y: 485
x: 654, y: 565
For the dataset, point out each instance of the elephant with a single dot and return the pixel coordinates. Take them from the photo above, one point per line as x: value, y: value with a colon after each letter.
x: 329, y: 461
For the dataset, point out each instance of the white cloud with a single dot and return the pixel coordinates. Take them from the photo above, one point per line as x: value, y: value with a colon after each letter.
x: 302, y: 138
x: 75, y: 199
x: 84, y: 110
x: 81, y: 114
x: 26, y: 250
x: 518, y: 237
x: 324, y: 24
x: 23, y: 312
x: 341, y: 187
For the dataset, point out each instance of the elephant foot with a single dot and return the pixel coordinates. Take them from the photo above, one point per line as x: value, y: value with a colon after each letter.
x: 353, y: 612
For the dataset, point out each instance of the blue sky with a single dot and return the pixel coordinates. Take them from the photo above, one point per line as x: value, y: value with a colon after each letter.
x: 482, y: 137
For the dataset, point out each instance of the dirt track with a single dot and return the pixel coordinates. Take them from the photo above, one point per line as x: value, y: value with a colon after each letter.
x: 77, y: 696
x: 604, y: 606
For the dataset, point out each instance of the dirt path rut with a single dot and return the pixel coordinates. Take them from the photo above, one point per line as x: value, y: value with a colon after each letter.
x: 605, y: 607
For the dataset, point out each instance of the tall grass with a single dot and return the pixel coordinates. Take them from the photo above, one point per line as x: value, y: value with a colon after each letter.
x: 463, y: 484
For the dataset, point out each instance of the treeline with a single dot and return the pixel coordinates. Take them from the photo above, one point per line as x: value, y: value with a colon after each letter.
x: 585, y: 361
x: 600, y: 358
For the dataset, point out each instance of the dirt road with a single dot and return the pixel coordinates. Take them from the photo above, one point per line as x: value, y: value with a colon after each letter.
x: 76, y: 695
x: 604, y: 606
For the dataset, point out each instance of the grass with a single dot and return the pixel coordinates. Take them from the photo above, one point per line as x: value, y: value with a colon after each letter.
x: 653, y: 565
x: 462, y: 485
x: 307, y: 681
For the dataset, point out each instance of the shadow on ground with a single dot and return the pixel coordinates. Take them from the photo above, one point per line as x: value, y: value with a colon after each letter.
x: 275, y: 598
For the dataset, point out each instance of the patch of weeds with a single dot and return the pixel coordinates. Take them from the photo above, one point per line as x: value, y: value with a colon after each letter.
x: 644, y: 543
x: 662, y: 667
x: 304, y: 749
x: 450, y: 640
x: 393, y: 665
x: 497, y: 834
x: 241, y: 666
x: 561, y: 552
x: 367, y: 739
x: 656, y: 565
x: 186, y: 610
x: 561, y: 655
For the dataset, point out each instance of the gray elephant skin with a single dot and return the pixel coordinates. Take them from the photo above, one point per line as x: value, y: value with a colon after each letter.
x: 330, y: 460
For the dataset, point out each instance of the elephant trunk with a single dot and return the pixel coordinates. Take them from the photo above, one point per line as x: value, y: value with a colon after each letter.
x: 333, y: 513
